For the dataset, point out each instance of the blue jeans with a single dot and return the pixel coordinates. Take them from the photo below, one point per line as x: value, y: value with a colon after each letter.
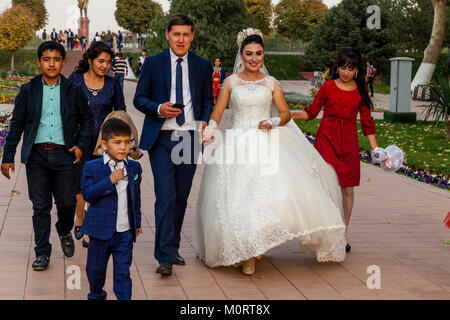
x: 121, y: 78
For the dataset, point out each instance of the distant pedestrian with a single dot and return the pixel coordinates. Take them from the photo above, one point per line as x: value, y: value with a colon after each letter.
x: 70, y: 39
x: 120, y: 69
x: 54, y: 35
x: 44, y: 35
x: 120, y: 41
x: 371, y: 72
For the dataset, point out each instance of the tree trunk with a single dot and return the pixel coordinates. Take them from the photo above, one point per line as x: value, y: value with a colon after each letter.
x: 134, y: 38
x: 433, y: 50
x: 12, y: 61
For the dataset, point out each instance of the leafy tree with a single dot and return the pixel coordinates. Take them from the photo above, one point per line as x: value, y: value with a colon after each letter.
x: 260, y: 12
x: 17, y: 26
x: 137, y: 15
x: 295, y: 19
x: 217, y: 24
x: 37, y: 7
x: 346, y: 25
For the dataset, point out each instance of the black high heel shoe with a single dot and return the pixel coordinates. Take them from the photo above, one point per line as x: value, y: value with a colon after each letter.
x: 348, y: 248
x: 77, y: 233
x: 84, y: 243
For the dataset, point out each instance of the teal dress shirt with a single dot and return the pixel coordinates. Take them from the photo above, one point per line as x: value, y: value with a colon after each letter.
x: 50, y: 126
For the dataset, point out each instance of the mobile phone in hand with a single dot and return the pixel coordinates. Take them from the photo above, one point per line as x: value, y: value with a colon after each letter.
x: 178, y: 106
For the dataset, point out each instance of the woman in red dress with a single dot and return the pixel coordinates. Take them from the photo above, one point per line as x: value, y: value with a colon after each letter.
x: 337, y: 137
x: 218, y: 75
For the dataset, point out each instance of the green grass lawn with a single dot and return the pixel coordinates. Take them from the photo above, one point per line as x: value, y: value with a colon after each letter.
x: 382, y: 88
x: 424, y: 145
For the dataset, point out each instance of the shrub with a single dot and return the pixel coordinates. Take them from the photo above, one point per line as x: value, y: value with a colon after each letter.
x: 28, y: 69
x: 401, y: 117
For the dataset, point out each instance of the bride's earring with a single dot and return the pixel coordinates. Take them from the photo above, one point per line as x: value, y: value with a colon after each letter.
x: 356, y: 75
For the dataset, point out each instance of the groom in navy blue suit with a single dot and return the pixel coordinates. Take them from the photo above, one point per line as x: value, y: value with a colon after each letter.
x: 181, y: 77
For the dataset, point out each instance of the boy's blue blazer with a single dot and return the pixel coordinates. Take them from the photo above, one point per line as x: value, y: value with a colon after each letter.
x: 98, y: 190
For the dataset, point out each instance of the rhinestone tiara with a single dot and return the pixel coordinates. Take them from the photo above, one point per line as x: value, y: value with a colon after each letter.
x: 245, y: 33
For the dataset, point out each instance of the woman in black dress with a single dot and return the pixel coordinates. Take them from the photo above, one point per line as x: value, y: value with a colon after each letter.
x: 105, y: 95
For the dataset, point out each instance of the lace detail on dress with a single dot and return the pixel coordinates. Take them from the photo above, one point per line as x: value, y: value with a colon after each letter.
x: 250, y: 101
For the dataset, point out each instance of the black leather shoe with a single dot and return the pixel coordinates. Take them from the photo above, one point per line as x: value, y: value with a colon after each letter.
x: 67, y: 245
x: 178, y: 260
x: 164, y: 269
x: 77, y: 233
x: 41, y: 263
x: 348, y: 248
x: 84, y: 243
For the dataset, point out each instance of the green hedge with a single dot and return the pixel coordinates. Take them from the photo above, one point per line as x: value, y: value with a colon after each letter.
x: 400, y: 117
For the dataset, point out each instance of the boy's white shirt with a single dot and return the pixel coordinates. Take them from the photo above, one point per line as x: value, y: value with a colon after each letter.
x: 122, y: 223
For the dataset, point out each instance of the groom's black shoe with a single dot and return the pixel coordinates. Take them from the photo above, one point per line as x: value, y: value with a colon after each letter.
x: 178, y: 260
x: 165, y: 269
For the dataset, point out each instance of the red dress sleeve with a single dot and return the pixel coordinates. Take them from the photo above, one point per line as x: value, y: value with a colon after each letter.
x: 319, y: 101
x: 367, y: 123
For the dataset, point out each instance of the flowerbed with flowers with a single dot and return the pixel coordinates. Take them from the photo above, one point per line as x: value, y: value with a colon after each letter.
x: 429, y: 176
x: 5, y: 117
x: 9, y: 88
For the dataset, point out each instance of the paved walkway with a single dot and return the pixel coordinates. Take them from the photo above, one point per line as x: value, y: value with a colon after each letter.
x: 397, y: 225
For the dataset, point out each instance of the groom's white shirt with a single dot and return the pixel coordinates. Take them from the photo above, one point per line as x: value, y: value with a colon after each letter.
x: 189, y: 124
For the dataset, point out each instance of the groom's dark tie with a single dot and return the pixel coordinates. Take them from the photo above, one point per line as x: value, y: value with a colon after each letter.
x: 179, y: 90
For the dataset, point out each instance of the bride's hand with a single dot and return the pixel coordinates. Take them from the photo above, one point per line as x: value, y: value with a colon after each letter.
x: 265, y: 125
x: 208, y: 134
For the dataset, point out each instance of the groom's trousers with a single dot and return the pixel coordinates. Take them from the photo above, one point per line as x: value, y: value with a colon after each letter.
x: 172, y: 183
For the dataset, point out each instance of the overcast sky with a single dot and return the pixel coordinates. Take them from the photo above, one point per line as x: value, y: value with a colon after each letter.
x: 63, y: 14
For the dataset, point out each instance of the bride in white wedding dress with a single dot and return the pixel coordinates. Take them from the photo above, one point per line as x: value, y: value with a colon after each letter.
x: 245, y: 208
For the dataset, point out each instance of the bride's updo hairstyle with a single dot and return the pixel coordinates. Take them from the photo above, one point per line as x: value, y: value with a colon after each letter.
x: 92, y: 53
x: 254, y: 38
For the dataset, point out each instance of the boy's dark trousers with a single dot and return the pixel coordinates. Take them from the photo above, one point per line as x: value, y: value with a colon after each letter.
x: 120, y: 246
x: 51, y: 172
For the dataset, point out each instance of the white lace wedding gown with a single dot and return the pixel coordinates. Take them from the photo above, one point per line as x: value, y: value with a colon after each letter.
x: 243, y: 209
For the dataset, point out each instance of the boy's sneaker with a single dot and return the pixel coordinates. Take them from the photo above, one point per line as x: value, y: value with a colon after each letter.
x: 41, y: 263
x: 67, y: 245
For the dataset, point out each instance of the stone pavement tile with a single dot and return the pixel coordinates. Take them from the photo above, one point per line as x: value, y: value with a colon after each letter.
x: 169, y: 293
x: 13, y: 275
x: 207, y: 282
x: 313, y: 288
x: 228, y: 275
x: 243, y: 293
x: 441, y: 279
x: 6, y: 293
x: 204, y: 293
x: 280, y: 289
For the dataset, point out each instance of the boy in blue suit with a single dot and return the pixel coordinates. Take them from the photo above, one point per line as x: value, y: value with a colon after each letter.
x: 111, y: 185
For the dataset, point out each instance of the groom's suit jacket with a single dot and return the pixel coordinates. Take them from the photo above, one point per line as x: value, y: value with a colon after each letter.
x: 154, y: 88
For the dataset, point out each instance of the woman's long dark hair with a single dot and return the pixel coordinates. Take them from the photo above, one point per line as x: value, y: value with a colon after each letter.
x: 92, y: 53
x: 351, y: 57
